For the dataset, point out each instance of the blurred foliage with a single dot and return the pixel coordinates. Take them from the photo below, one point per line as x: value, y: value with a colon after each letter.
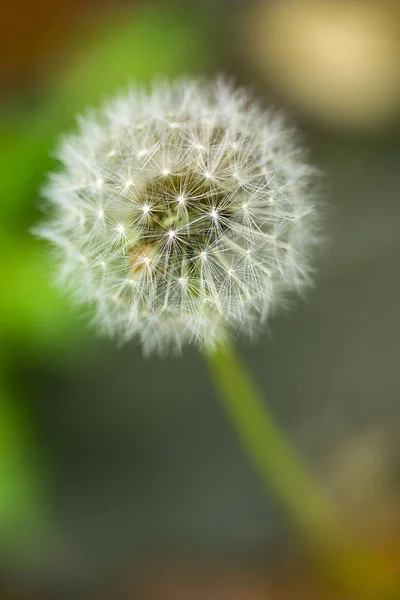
x: 126, y: 47
x: 31, y: 310
x: 22, y: 515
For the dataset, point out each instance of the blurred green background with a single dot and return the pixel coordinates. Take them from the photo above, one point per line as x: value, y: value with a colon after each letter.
x: 119, y: 476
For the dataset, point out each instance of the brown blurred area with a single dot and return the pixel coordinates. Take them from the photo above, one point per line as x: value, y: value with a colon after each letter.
x: 241, y: 585
x: 36, y: 35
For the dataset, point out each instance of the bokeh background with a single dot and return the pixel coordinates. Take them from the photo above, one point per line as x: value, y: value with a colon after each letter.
x: 119, y: 476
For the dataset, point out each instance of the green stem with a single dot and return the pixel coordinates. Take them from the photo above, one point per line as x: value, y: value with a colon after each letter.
x: 282, y: 470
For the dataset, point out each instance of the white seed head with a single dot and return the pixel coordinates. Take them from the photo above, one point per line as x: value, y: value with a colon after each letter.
x: 182, y: 214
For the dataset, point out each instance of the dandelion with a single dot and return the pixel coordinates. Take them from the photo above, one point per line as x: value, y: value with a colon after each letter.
x: 182, y: 215
x: 185, y: 215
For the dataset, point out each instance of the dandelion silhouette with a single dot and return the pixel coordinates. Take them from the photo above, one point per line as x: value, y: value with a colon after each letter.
x: 182, y: 214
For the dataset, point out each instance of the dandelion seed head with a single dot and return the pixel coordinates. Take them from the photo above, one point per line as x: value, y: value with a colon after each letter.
x: 196, y: 204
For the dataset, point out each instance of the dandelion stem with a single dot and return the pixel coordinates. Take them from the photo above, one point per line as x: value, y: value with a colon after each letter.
x: 282, y: 470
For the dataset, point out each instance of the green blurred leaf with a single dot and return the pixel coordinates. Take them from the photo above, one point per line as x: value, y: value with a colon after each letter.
x: 154, y: 41
x: 22, y: 484
x: 31, y: 308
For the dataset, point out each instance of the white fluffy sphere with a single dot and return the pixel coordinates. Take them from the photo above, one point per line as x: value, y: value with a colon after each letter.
x: 181, y: 214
